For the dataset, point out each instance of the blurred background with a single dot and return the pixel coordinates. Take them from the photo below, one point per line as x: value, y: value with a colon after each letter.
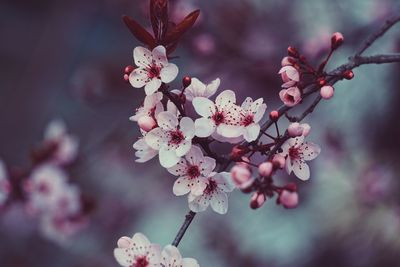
x: 65, y: 60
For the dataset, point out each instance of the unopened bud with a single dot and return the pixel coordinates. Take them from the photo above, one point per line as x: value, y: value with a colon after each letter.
x: 126, y: 77
x: 295, y: 129
x: 288, y: 199
x: 186, y: 81
x: 128, y: 69
x: 336, y: 40
x: 326, y: 92
x: 241, y: 176
x: 287, y: 61
x: 146, y: 123
x: 279, y: 161
x: 257, y: 200
x: 292, y: 52
x: 321, y: 82
x: 265, y: 169
x: 274, y: 115
x: 348, y: 75
x: 124, y: 242
x: 238, y: 152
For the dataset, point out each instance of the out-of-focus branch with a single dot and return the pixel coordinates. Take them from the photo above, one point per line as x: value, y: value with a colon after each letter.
x: 373, y: 37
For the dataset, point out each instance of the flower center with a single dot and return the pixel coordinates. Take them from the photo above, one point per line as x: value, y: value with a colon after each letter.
x: 193, y: 171
x: 249, y: 119
x: 218, y: 117
x: 294, y: 153
x: 43, y: 188
x: 176, y: 137
x: 289, y: 98
x: 153, y: 71
x: 141, y: 262
x: 211, y: 186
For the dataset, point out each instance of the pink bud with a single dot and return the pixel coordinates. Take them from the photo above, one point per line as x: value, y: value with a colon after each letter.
x: 274, y: 115
x: 279, y: 161
x: 126, y: 77
x: 146, y: 123
x: 265, y: 169
x: 124, y: 242
x: 287, y: 61
x: 306, y: 129
x: 326, y: 92
x: 291, y: 96
x: 128, y: 69
x: 257, y: 200
x: 336, y: 40
x: 295, y: 129
x: 288, y: 199
x: 241, y: 176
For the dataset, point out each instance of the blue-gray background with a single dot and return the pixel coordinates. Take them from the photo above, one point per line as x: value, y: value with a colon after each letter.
x: 64, y: 59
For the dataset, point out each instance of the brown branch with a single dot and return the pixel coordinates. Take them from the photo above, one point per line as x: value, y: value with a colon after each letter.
x: 188, y: 219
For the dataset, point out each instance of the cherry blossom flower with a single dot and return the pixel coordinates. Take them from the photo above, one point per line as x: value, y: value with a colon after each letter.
x: 151, y: 107
x: 66, y: 146
x: 143, y: 151
x: 296, y: 129
x: 297, y: 152
x: 290, y: 76
x: 44, y: 186
x: 171, y: 257
x: 199, y: 89
x: 5, y: 186
x: 192, y: 171
x: 137, y: 252
x: 218, y: 184
x: 288, y: 199
x: 152, y: 70
x: 291, y: 96
x: 172, y: 139
x: 250, y: 116
x: 221, y: 116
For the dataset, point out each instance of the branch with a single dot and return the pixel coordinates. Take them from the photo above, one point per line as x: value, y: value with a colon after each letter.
x: 373, y: 37
x: 188, y: 219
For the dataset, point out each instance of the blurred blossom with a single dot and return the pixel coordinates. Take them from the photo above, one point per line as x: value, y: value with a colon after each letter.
x: 88, y: 84
x: 317, y: 43
x: 181, y: 8
x: 204, y: 44
x: 4, y: 183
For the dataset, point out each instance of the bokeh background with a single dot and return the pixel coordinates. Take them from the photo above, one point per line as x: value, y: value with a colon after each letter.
x: 65, y: 59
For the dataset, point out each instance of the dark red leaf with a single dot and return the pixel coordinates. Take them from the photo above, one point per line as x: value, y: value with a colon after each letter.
x: 159, y: 17
x: 139, y: 32
x: 175, y: 33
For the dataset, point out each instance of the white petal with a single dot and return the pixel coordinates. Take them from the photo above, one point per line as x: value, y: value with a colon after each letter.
x: 246, y: 105
x: 187, y: 127
x: 225, y: 99
x: 204, y: 127
x: 224, y: 181
x: 288, y: 165
x: 168, y: 73
x: 259, y: 113
x: 140, y: 240
x: 138, y: 78
x: 229, y: 131
x: 219, y: 202
x: 198, y: 203
x: 152, y: 86
x: 189, y: 262
x: 198, y: 186
x: 203, y: 106
x: 301, y: 170
x: 207, y: 166
x: 251, y: 132
x: 151, y: 101
x: 181, y: 186
x: 142, y: 56
x: 170, y: 255
x: 212, y: 87
x: 168, y: 157
x: 155, y: 138
x: 159, y: 55
x: 183, y: 148
x: 154, y: 255
x: 195, y: 89
x: 310, y: 150
x: 195, y: 155
x: 122, y: 257
x: 167, y: 120
x: 179, y: 169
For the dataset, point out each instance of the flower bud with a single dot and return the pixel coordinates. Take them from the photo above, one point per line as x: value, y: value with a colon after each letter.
x: 295, y: 129
x: 146, y: 123
x: 274, y: 115
x: 238, y: 152
x: 292, y: 52
x: 326, y: 92
x: 348, y: 75
x: 241, y: 176
x: 321, y: 81
x: 257, y: 200
x: 288, y: 199
x: 291, y: 96
x: 287, y: 61
x: 126, y: 77
x: 124, y: 242
x: 306, y: 129
x: 128, y: 69
x: 265, y: 169
x: 186, y: 81
x: 336, y: 40
x: 292, y: 187
x: 279, y: 161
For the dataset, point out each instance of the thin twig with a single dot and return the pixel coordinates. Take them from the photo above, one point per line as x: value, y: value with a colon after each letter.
x: 188, y: 219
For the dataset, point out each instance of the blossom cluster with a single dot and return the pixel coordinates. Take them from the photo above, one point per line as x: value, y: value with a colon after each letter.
x: 138, y: 251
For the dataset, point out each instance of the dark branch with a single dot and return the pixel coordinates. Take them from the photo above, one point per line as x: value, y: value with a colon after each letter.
x: 188, y: 219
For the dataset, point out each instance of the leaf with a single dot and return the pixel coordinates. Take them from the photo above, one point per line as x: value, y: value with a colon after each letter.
x: 139, y: 32
x: 159, y: 17
x: 175, y: 33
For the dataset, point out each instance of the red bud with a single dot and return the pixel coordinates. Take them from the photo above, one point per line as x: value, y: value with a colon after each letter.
x: 348, y: 75
x: 274, y: 115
